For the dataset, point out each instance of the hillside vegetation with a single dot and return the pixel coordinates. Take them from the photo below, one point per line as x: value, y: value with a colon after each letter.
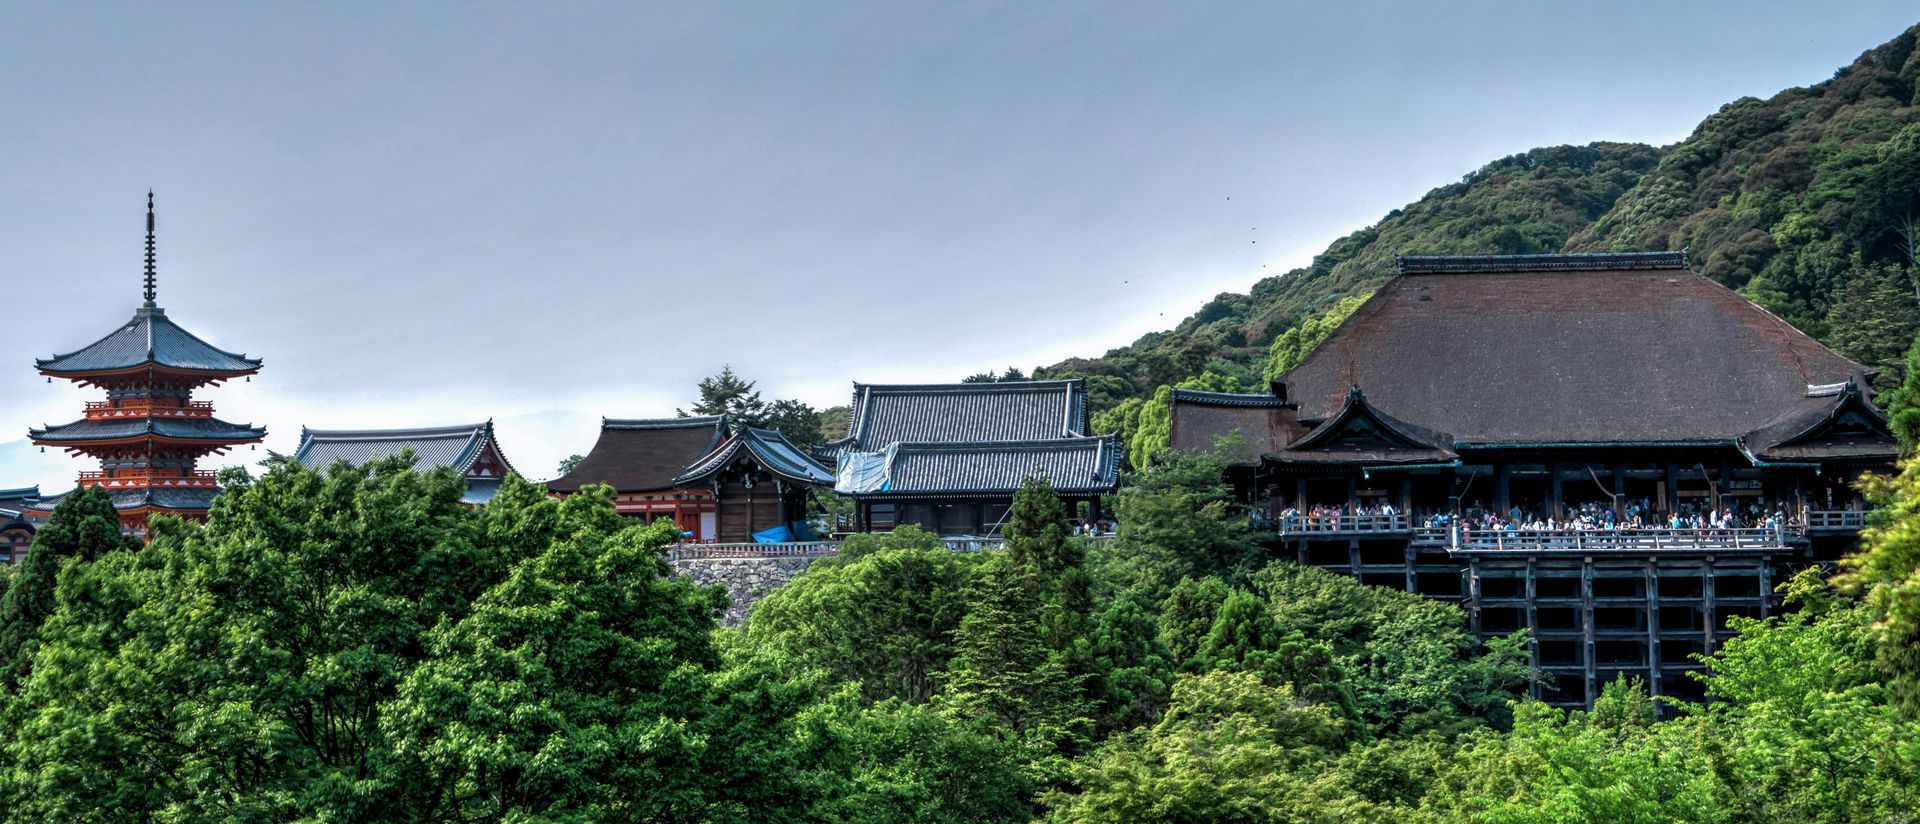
x: 1784, y: 199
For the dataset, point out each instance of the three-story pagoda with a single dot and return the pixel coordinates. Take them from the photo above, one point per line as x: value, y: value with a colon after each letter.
x: 149, y: 433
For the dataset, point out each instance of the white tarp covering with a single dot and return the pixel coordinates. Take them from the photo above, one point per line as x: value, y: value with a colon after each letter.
x: 864, y: 472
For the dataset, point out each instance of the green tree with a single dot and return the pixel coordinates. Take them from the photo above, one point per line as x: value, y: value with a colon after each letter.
x: 1132, y: 668
x: 1176, y: 519
x: 248, y: 675
x: 83, y: 526
x: 1291, y: 347
x: 1412, y: 663
x: 1002, y: 666
x: 882, y: 614
x: 577, y: 687
x: 1152, y: 428
x: 728, y: 394
x: 1874, y: 319
x: 1902, y: 401
x: 1187, y: 615
x: 1245, y: 638
x: 905, y: 762
x: 1887, y: 569
x: 1123, y: 420
x: 799, y: 422
x: 570, y: 463
x: 1230, y: 748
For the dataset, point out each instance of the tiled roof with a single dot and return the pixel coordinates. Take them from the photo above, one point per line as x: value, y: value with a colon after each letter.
x: 965, y: 412
x: 771, y: 449
x: 150, y: 338
x: 208, y: 429
x: 11, y: 497
x: 1827, y: 425
x: 123, y: 499
x: 456, y: 447
x: 644, y: 455
x: 1262, y: 423
x: 1567, y: 354
x: 1594, y: 261
x: 1361, y: 433
x: 1079, y: 465
x: 1253, y: 400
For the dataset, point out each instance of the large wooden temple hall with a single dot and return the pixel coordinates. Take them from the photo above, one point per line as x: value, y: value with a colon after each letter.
x: 1486, y: 429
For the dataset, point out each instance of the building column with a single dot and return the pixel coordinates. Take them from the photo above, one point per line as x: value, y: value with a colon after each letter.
x: 1591, y: 668
x: 1501, y: 485
x: 1653, y: 626
x: 1619, y: 493
x: 1556, y: 500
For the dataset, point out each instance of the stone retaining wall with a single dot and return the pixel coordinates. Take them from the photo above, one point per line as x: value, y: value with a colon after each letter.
x: 747, y: 579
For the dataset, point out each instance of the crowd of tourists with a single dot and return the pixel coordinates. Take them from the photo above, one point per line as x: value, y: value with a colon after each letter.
x: 1632, y: 515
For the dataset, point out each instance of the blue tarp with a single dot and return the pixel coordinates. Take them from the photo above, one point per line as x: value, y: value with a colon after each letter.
x: 776, y: 535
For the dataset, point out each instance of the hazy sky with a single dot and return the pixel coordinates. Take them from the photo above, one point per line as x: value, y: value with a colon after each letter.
x: 548, y: 212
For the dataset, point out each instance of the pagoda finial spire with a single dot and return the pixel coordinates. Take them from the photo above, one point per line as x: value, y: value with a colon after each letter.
x: 150, y: 281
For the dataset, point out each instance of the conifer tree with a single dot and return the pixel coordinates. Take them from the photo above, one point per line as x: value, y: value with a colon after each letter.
x: 1002, y: 666
x: 1874, y: 320
x: 728, y: 394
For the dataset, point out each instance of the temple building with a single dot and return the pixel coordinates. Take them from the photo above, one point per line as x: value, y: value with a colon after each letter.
x: 718, y: 483
x: 470, y: 450
x: 16, y: 532
x: 1607, y: 450
x: 949, y: 457
x: 149, y: 432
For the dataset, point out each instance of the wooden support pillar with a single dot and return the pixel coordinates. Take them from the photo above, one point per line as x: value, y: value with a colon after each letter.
x: 1653, y: 626
x: 1590, y: 665
x: 1502, y: 484
x: 1619, y: 493
x: 1413, y: 581
x: 1709, y: 605
x: 1473, y: 594
x: 1300, y: 494
x: 1406, y: 495
x: 1353, y: 490
x: 1533, y: 626
x: 1556, y: 501
x: 1673, y: 489
x: 1766, y: 586
x: 1353, y: 557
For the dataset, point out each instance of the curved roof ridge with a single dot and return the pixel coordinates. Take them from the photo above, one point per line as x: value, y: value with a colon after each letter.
x: 104, y: 354
x: 689, y: 422
x: 962, y: 387
x: 384, y: 434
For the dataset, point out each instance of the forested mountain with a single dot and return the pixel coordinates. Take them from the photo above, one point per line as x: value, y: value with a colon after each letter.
x: 1784, y: 199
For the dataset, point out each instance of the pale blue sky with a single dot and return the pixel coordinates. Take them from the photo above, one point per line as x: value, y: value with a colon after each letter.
x: 545, y: 213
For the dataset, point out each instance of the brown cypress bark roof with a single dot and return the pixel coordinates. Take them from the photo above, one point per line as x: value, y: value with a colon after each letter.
x: 1606, y: 349
x: 643, y: 455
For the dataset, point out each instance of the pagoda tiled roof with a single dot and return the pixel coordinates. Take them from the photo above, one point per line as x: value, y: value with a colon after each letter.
x: 150, y: 338
x: 1513, y: 351
x: 192, y: 500
x: 641, y: 455
x: 964, y: 412
x: 770, y: 449
x: 199, y: 429
x: 1078, y: 465
x: 455, y: 447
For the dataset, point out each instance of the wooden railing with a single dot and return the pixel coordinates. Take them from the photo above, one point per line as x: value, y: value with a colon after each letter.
x: 1835, y: 520
x: 162, y: 479
x: 1634, y: 540
x: 1293, y: 524
x: 111, y: 410
x: 819, y: 548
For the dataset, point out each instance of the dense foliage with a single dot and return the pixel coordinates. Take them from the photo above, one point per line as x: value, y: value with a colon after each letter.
x: 355, y: 644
